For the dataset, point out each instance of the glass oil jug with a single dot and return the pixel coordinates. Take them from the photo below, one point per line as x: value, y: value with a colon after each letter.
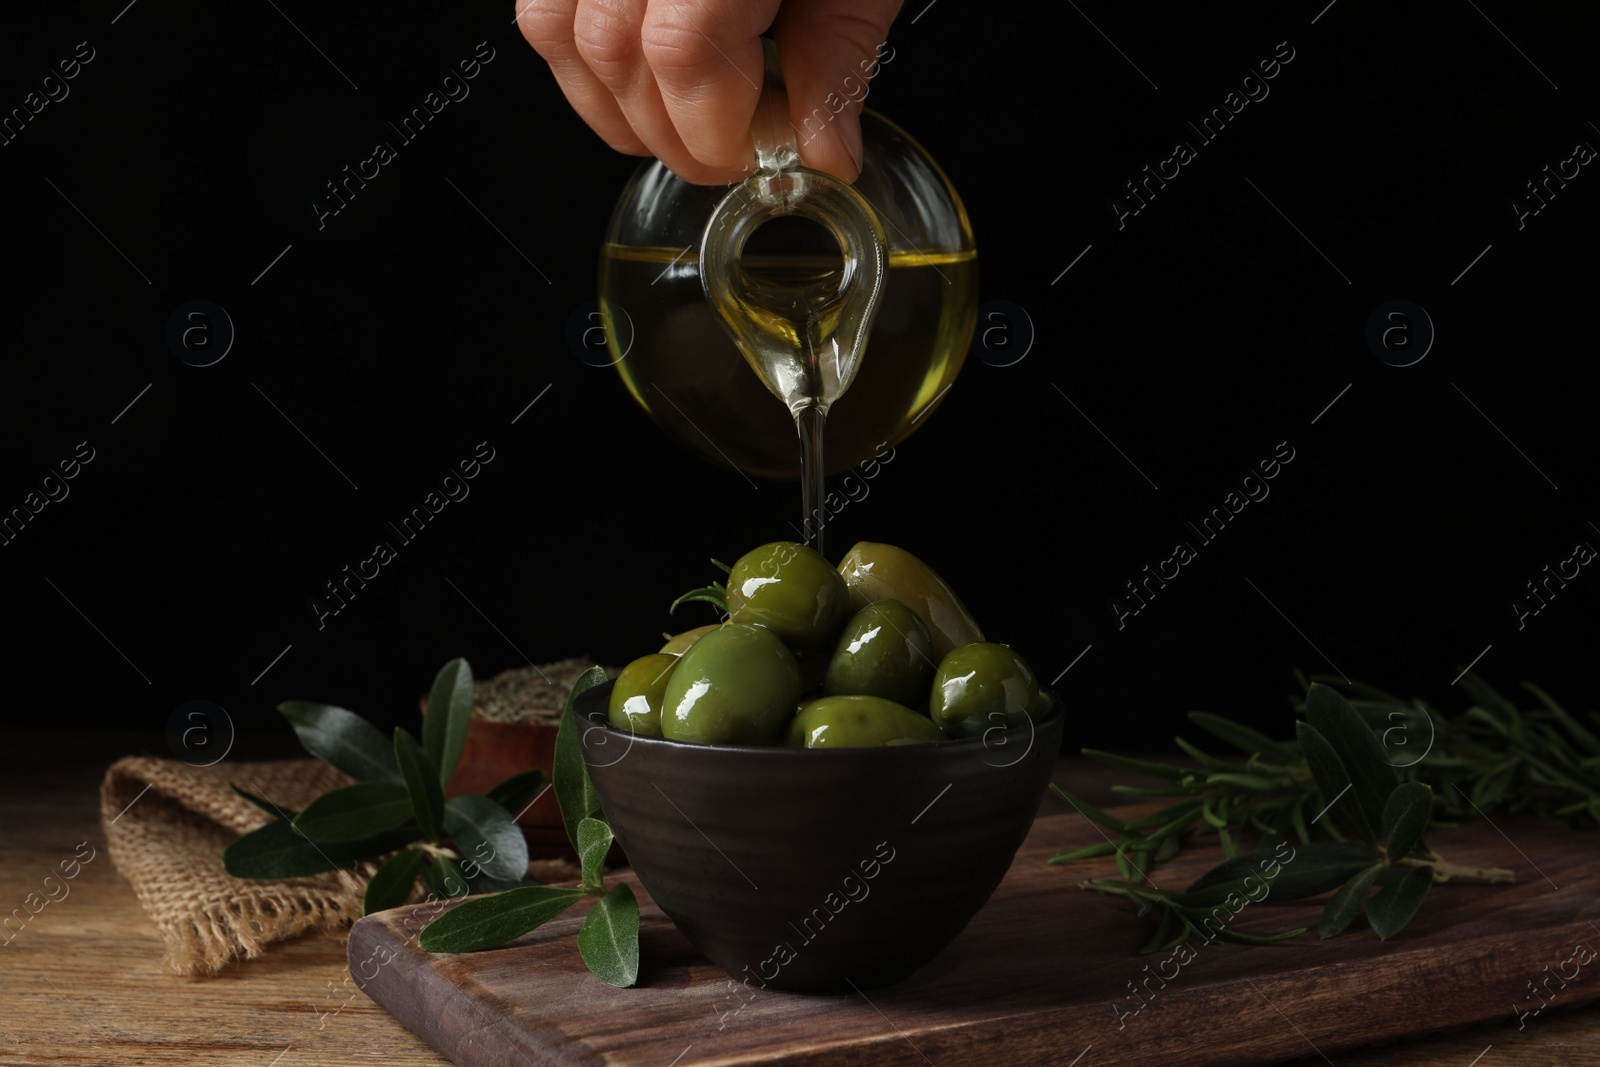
x: 683, y: 365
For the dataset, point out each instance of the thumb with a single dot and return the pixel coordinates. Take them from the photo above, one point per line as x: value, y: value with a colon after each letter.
x: 829, y: 50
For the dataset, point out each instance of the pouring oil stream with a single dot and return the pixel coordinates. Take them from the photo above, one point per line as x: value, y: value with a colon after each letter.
x: 804, y: 337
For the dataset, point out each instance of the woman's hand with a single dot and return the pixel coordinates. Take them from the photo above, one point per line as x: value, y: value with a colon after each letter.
x: 680, y: 80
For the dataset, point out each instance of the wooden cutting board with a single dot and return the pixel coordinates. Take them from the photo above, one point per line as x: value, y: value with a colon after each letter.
x: 1041, y: 976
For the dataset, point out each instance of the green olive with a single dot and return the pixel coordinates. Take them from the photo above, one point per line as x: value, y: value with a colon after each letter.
x: 636, y: 696
x: 792, y: 591
x: 875, y: 572
x: 981, y: 686
x: 679, y: 643
x: 737, y: 685
x: 885, y: 651
x: 859, y: 722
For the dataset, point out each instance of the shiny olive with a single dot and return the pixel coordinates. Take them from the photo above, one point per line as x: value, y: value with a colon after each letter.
x: 885, y: 651
x: 737, y: 685
x: 981, y: 686
x: 792, y: 591
x: 678, y: 644
x: 875, y: 572
x: 859, y: 722
x: 636, y: 696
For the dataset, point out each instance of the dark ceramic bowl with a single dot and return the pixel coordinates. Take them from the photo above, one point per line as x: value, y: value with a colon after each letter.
x: 816, y: 870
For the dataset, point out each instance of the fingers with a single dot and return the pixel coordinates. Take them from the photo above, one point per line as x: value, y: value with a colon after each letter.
x: 680, y: 79
x: 676, y: 79
x: 707, y: 61
x: 606, y: 34
x: 547, y: 25
x: 829, y: 49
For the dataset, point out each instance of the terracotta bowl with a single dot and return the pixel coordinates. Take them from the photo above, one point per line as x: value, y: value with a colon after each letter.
x: 818, y: 870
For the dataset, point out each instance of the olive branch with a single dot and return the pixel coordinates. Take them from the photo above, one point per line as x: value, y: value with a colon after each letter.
x: 458, y: 846
x: 396, y: 807
x: 608, y: 941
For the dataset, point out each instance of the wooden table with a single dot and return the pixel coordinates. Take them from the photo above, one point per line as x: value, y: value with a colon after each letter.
x: 84, y: 981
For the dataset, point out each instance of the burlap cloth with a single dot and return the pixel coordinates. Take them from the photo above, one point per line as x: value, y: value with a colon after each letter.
x: 166, y: 824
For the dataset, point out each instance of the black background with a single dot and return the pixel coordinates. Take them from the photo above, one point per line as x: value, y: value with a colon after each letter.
x: 407, y: 329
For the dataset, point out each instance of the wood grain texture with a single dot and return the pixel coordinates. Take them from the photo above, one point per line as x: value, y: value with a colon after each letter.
x: 83, y: 981
x: 1033, y: 979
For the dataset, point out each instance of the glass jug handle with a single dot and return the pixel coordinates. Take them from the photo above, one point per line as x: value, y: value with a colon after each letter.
x: 770, y: 127
x: 781, y: 186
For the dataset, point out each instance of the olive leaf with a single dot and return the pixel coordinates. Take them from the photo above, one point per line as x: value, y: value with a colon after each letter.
x: 355, y: 811
x: 1347, y: 903
x: 1372, y: 776
x: 594, y: 841
x: 608, y: 941
x: 1395, y: 904
x: 1405, y: 816
x: 265, y: 805
x: 392, y: 883
x: 482, y: 883
x: 422, y: 783
x: 343, y: 739
x: 575, y: 793
x: 444, y: 723
x: 444, y: 879
x: 1312, y: 869
x: 1335, y: 781
x: 491, y: 921
x: 516, y: 793
x: 278, y: 850
x: 486, y: 836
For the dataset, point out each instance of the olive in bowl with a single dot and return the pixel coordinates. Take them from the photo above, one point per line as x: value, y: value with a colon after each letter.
x: 817, y: 869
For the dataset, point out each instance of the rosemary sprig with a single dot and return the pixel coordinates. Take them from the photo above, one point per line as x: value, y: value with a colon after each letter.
x: 1543, y: 761
x: 715, y: 593
x: 1358, y: 814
